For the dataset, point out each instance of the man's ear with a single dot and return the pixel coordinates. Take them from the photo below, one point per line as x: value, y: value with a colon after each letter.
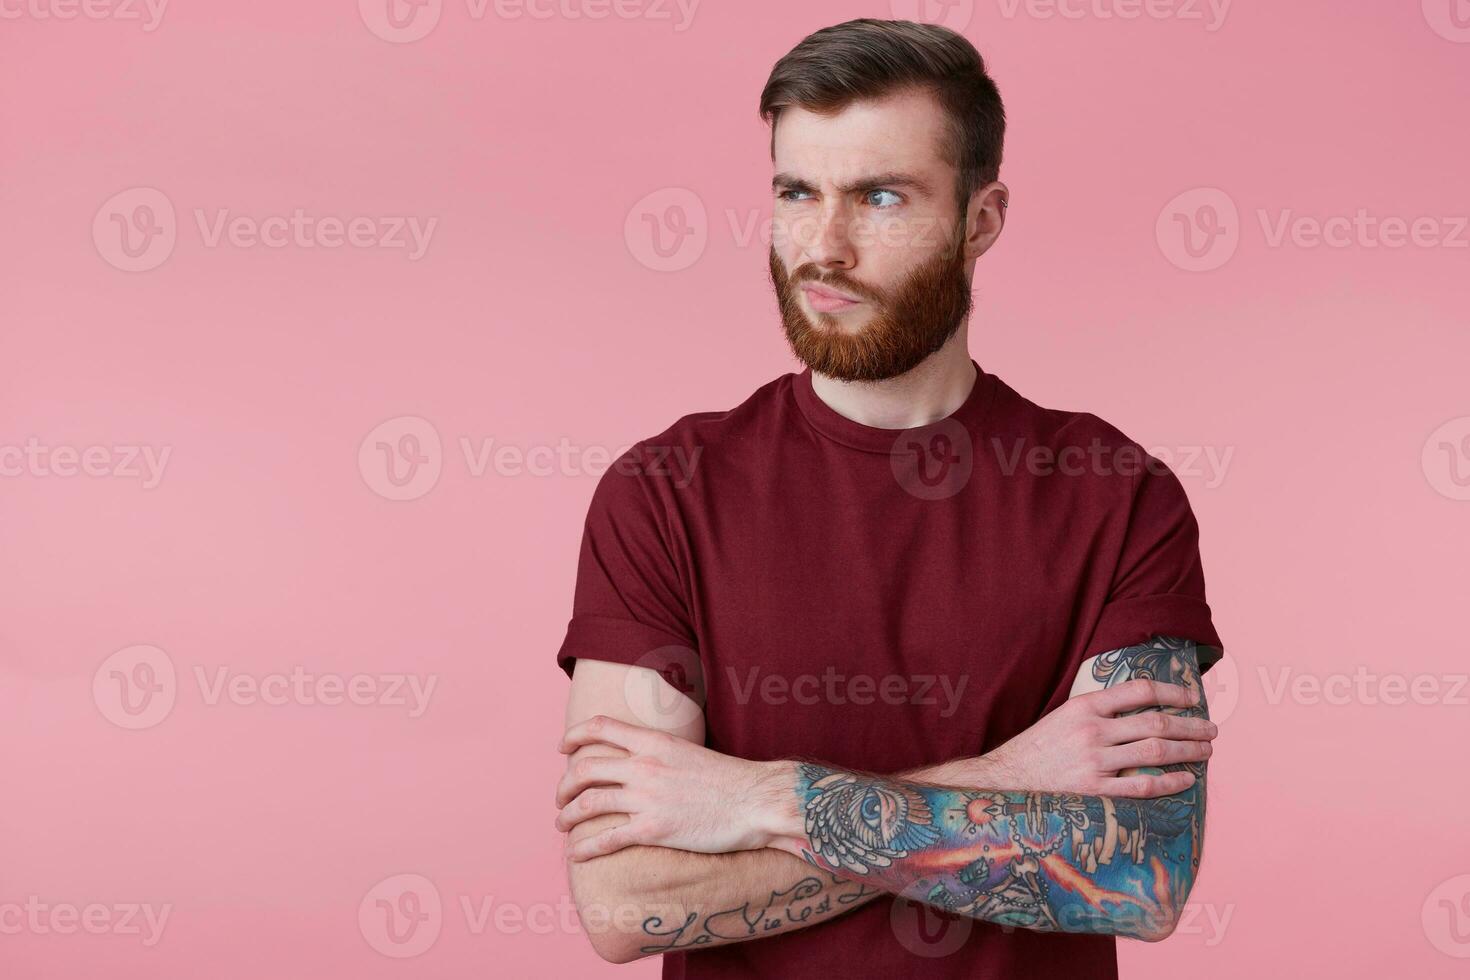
x: 985, y: 218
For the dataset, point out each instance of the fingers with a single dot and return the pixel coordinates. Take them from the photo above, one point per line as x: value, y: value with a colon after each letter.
x: 592, y: 803
x: 1157, y: 724
x: 1141, y: 693
x: 1147, y: 786
x: 590, y: 771
x: 601, y: 728
x: 1153, y: 752
x: 607, y: 842
x: 583, y: 793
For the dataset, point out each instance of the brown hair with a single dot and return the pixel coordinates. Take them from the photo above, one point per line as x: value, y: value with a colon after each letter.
x: 868, y: 58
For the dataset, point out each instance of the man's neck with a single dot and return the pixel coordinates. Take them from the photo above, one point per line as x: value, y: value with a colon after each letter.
x: 927, y: 393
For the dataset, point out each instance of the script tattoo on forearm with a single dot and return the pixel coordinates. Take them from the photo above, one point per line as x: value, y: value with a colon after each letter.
x: 811, y: 899
x: 1042, y: 861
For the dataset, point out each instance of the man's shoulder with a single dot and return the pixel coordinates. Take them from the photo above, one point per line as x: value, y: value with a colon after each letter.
x: 754, y: 418
x: 1068, y: 441
x: 1020, y: 416
x: 727, y: 437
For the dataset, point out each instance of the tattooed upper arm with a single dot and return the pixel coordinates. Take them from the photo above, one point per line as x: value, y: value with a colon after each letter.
x: 1163, y: 658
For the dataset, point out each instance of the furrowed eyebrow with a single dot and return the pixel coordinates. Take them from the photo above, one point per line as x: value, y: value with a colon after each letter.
x: 785, y: 181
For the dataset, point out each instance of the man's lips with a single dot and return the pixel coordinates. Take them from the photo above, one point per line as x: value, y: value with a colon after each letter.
x: 826, y: 300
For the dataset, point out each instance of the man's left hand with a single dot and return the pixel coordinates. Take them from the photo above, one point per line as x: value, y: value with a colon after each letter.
x: 677, y: 794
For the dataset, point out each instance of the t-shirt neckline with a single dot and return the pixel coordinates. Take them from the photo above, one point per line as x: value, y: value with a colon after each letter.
x: 855, y: 435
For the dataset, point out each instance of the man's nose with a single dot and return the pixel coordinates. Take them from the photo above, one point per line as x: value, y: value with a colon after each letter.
x: 828, y: 243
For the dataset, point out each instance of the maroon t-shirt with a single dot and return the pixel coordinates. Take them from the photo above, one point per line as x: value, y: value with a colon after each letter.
x: 883, y: 599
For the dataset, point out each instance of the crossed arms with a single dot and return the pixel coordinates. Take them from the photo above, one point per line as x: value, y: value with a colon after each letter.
x: 1092, y: 820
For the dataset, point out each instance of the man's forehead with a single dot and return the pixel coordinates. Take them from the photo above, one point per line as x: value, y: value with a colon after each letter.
x: 896, y: 133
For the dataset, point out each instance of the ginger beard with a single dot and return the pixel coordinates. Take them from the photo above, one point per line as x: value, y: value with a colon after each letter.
x: 905, y: 325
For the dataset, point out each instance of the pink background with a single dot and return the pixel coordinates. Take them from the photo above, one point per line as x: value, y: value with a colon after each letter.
x: 1333, y: 540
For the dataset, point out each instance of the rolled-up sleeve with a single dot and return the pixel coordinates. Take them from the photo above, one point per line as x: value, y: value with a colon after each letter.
x: 629, y: 605
x: 1159, y: 585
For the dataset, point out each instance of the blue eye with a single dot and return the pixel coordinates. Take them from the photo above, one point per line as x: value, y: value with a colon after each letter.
x: 891, y: 194
x: 870, y: 807
x: 790, y: 195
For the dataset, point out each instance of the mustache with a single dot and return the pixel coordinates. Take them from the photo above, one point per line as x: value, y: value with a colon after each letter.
x: 808, y: 272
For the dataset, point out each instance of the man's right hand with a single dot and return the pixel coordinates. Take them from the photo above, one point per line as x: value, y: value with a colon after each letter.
x: 1088, y: 744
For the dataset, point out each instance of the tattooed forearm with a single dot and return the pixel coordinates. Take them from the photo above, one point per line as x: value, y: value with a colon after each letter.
x: 814, y: 898
x: 1050, y: 862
